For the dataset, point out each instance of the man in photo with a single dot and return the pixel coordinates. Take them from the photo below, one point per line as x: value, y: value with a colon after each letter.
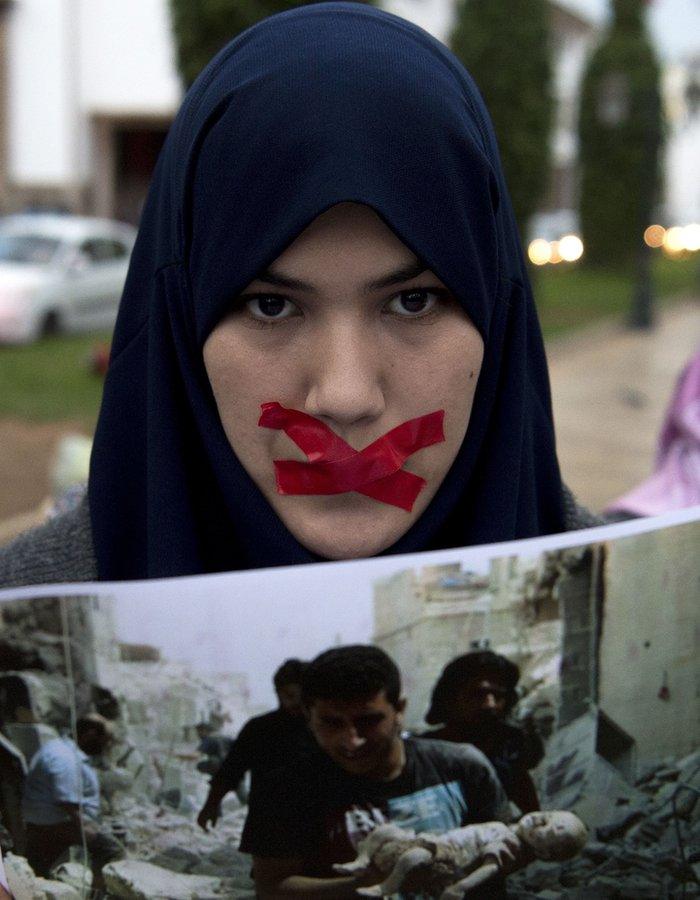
x: 471, y: 702
x: 311, y: 814
x: 61, y: 803
x: 264, y: 743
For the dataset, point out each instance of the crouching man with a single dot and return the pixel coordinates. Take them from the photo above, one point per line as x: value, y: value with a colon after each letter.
x: 61, y: 801
x: 307, y: 816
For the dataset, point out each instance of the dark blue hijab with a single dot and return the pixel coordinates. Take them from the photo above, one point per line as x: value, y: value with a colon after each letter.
x: 326, y: 103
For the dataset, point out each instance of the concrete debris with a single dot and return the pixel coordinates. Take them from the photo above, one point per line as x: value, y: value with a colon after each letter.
x: 58, y: 890
x: 74, y: 874
x: 575, y: 775
x: 150, y: 786
x: 176, y: 844
x: 136, y: 880
x: 21, y: 879
x: 648, y: 848
x: 26, y: 885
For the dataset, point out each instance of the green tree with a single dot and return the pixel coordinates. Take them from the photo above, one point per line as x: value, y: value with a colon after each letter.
x: 620, y: 132
x: 506, y: 46
x: 202, y: 27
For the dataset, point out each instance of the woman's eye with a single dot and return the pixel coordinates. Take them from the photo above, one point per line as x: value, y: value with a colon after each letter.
x: 412, y: 303
x: 268, y: 308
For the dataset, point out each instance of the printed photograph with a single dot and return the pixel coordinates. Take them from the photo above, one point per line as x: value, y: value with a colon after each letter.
x: 160, y: 739
x: 349, y: 449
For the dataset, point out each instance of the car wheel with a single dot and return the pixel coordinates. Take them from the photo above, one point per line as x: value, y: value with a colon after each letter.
x: 50, y: 324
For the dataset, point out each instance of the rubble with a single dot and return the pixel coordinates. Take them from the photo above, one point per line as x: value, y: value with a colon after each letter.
x: 20, y: 877
x: 174, y: 842
x: 135, y: 880
x: 74, y: 874
x: 58, y: 890
x: 575, y: 775
x: 161, y: 845
x: 25, y: 885
x: 150, y: 787
x: 649, y: 848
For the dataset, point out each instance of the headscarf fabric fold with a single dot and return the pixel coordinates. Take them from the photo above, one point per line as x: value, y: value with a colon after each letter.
x: 316, y: 106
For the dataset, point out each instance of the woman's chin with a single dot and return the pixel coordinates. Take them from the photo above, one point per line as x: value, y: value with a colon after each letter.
x: 351, y: 527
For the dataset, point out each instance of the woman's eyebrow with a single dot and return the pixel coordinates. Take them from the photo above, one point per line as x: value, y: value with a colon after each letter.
x: 397, y: 276
x: 405, y: 273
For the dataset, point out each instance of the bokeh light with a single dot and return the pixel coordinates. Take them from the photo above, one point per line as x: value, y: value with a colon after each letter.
x: 674, y: 240
x: 654, y: 236
x: 539, y: 252
x: 691, y: 234
x: 555, y: 253
x: 571, y: 248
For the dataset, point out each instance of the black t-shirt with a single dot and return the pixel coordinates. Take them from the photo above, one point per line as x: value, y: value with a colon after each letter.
x: 264, y: 743
x: 510, y: 749
x: 314, y: 810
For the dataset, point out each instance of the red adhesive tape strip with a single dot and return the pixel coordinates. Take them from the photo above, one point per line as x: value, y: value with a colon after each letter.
x: 334, y: 467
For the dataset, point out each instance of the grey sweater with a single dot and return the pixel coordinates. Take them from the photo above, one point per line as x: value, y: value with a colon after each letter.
x: 61, y: 551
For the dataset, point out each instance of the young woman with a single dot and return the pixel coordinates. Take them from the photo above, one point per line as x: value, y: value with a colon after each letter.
x: 327, y: 346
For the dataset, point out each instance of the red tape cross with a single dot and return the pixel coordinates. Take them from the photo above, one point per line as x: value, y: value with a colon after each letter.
x: 334, y: 467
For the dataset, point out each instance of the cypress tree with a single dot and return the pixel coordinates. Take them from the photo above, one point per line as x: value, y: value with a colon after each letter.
x: 202, y: 27
x: 620, y: 136
x: 506, y: 46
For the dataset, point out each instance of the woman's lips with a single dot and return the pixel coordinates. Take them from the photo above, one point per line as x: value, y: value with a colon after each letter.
x: 334, y: 467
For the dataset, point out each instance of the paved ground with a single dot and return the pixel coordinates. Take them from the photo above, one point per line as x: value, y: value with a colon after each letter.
x: 610, y: 388
x: 26, y: 453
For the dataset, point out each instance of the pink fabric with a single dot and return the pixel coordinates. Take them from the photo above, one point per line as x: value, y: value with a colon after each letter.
x: 676, y: 480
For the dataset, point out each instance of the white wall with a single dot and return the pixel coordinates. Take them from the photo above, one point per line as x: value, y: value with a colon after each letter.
x: 571, y: 49
x: 434, y: 16
x: 128, y: 63
x: 651, y: 637
x: 682, y: 154
x: 70, y: 59
x: 41, y: 148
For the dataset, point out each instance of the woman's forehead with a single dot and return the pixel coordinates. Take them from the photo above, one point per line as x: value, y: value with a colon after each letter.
x: 348, y: 241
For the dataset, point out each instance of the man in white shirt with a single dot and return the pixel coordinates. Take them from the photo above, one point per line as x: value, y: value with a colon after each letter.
x: 61, y: 802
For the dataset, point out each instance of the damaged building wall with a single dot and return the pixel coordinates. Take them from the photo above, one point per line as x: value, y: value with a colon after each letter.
x: 150, y: 778
x: 425, y: 618
x: 650, y: 642
x: 163, y: 700
x: 578, y: 601
x: 33, y: 684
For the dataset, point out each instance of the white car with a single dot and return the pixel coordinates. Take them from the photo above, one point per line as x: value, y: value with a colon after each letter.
x: 60, y: 273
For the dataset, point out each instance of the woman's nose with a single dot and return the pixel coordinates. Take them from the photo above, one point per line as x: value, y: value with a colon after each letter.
x: 345, y: 381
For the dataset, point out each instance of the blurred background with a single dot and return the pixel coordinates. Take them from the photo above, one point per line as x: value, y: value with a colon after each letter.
x: 596, y: 105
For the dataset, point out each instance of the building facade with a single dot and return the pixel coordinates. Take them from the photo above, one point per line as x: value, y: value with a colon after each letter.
x: 88, y: 89
x: 87, y: 93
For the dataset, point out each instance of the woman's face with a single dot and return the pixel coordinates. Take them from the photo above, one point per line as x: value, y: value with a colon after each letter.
x: 344, y: 326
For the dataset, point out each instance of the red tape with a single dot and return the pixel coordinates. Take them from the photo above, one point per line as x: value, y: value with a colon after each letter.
x: 334, y: 467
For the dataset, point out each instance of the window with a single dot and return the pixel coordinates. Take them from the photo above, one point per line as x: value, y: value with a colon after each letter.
x: 98, y: 250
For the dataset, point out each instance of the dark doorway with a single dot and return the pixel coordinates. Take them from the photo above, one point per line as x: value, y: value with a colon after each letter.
x: 135, y: 153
